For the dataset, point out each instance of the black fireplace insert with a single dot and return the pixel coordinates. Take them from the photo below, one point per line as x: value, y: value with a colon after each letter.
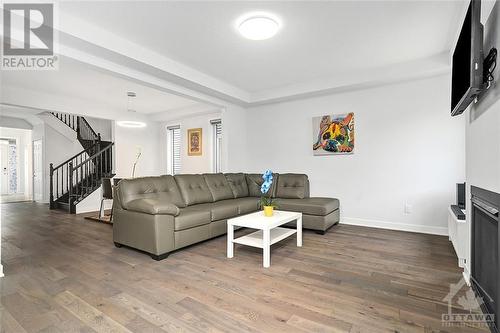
x: 485, y: 252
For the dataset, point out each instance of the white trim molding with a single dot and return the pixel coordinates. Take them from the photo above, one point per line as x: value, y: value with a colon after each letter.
x: 1, y: 271
x: 466, y: 275
x: 425, y: 229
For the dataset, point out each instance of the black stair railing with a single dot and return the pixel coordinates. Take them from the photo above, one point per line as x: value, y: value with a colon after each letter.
x: 87, y: 175
x: 60, y: 175
x: 69, y: 119
x: 80, y: 175
x: 77, y: 177
x: 85, y: 131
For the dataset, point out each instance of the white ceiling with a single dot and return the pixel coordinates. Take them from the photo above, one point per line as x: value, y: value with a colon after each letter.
x: 82, y: 82
x: 28, y: 115
x: 318, y: 41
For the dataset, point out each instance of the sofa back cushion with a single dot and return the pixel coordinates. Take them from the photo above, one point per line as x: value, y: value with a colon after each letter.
x: 254, y: 181
x: 292, y: 186
x: 163, y: 188
x: 238, y: 184
x: 218, y: 186
x: 194, y: 189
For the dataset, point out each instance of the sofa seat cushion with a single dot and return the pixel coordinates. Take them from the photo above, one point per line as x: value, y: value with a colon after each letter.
x: 190, y: 217
x: 224, y: 209
x: 238, y: 184
x: 219, y: 210
x: 247, y: 205
x: 311, y: 206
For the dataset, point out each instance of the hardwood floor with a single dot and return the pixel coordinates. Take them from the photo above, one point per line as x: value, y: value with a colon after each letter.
x: 63, y: 274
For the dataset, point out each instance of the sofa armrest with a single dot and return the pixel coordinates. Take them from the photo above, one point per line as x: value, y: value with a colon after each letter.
x: 153, y: 207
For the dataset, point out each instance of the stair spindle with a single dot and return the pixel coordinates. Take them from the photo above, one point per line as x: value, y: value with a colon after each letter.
x: 71, y: 187
x: 62, y: 180
x: 67, y: 180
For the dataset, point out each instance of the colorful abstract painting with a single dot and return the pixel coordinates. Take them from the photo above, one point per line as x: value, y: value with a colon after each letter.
x: 333, y: 134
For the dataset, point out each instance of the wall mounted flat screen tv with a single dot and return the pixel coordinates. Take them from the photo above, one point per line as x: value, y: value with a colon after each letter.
x: 467, y: 62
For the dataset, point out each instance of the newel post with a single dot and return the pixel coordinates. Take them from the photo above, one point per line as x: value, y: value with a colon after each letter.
x: 78, y: 127
x: 51, y: 204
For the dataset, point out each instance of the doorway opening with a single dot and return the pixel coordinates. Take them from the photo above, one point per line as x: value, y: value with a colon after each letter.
x: 15, y: 165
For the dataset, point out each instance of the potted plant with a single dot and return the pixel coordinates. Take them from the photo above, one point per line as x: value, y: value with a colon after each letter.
x: 267, y: 203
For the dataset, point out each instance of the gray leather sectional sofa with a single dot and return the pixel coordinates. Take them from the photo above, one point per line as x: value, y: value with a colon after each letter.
x: 161, y: 214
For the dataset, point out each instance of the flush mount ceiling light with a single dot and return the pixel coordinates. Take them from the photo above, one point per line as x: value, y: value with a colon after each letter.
x: 131, y: 124
x: 258, y: 26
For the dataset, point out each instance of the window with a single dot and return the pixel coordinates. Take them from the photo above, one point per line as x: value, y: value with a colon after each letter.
x: 217, y: 142
x: 174, y: 149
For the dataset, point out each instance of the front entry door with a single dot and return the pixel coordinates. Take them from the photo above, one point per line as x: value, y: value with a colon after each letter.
x: 4, y: 165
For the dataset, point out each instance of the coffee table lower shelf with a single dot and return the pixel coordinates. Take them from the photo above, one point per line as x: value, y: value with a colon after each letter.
x: 256, y: 239
x: 269, y: 231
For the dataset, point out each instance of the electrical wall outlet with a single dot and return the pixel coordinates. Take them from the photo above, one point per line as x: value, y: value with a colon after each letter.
x: 408, y: 208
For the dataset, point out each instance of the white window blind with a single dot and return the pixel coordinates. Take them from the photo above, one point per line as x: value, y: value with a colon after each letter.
x: 217, y: 137
x: 175, y: 149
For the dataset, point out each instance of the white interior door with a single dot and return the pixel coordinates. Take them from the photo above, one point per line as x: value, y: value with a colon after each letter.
x: 4, y: 165
x: 37, y: 171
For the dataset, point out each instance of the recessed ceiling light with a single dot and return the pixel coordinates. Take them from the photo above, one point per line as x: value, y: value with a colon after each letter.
x: 258, y: 26
x: 131, y: 124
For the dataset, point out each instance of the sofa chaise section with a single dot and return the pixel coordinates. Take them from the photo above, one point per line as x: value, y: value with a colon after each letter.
x: 292, y: 192
x: 317, y: 213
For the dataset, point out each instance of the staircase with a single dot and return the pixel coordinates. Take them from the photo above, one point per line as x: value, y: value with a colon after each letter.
x: 80, y: 175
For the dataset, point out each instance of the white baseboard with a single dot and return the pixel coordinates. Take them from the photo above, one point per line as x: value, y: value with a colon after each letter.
x: 1, y: 270
x: 425, y: 229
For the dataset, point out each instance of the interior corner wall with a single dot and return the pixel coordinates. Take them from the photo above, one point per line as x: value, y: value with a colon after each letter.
x: 147, y: 140
x: 409, y: 152
x: 483, y: 128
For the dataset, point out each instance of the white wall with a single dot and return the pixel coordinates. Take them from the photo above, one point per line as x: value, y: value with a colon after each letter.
x: 204, y: 162
x: 234, y: 139
x: 24, y: 157
x: 483, y: 129
x: 407, y: 150
x: 57, y: 148
x: 102, y: 126
x: 149, y: 141
x: 38, y: 133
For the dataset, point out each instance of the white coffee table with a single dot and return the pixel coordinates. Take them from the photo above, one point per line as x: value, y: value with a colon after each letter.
x: 269, y: 231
